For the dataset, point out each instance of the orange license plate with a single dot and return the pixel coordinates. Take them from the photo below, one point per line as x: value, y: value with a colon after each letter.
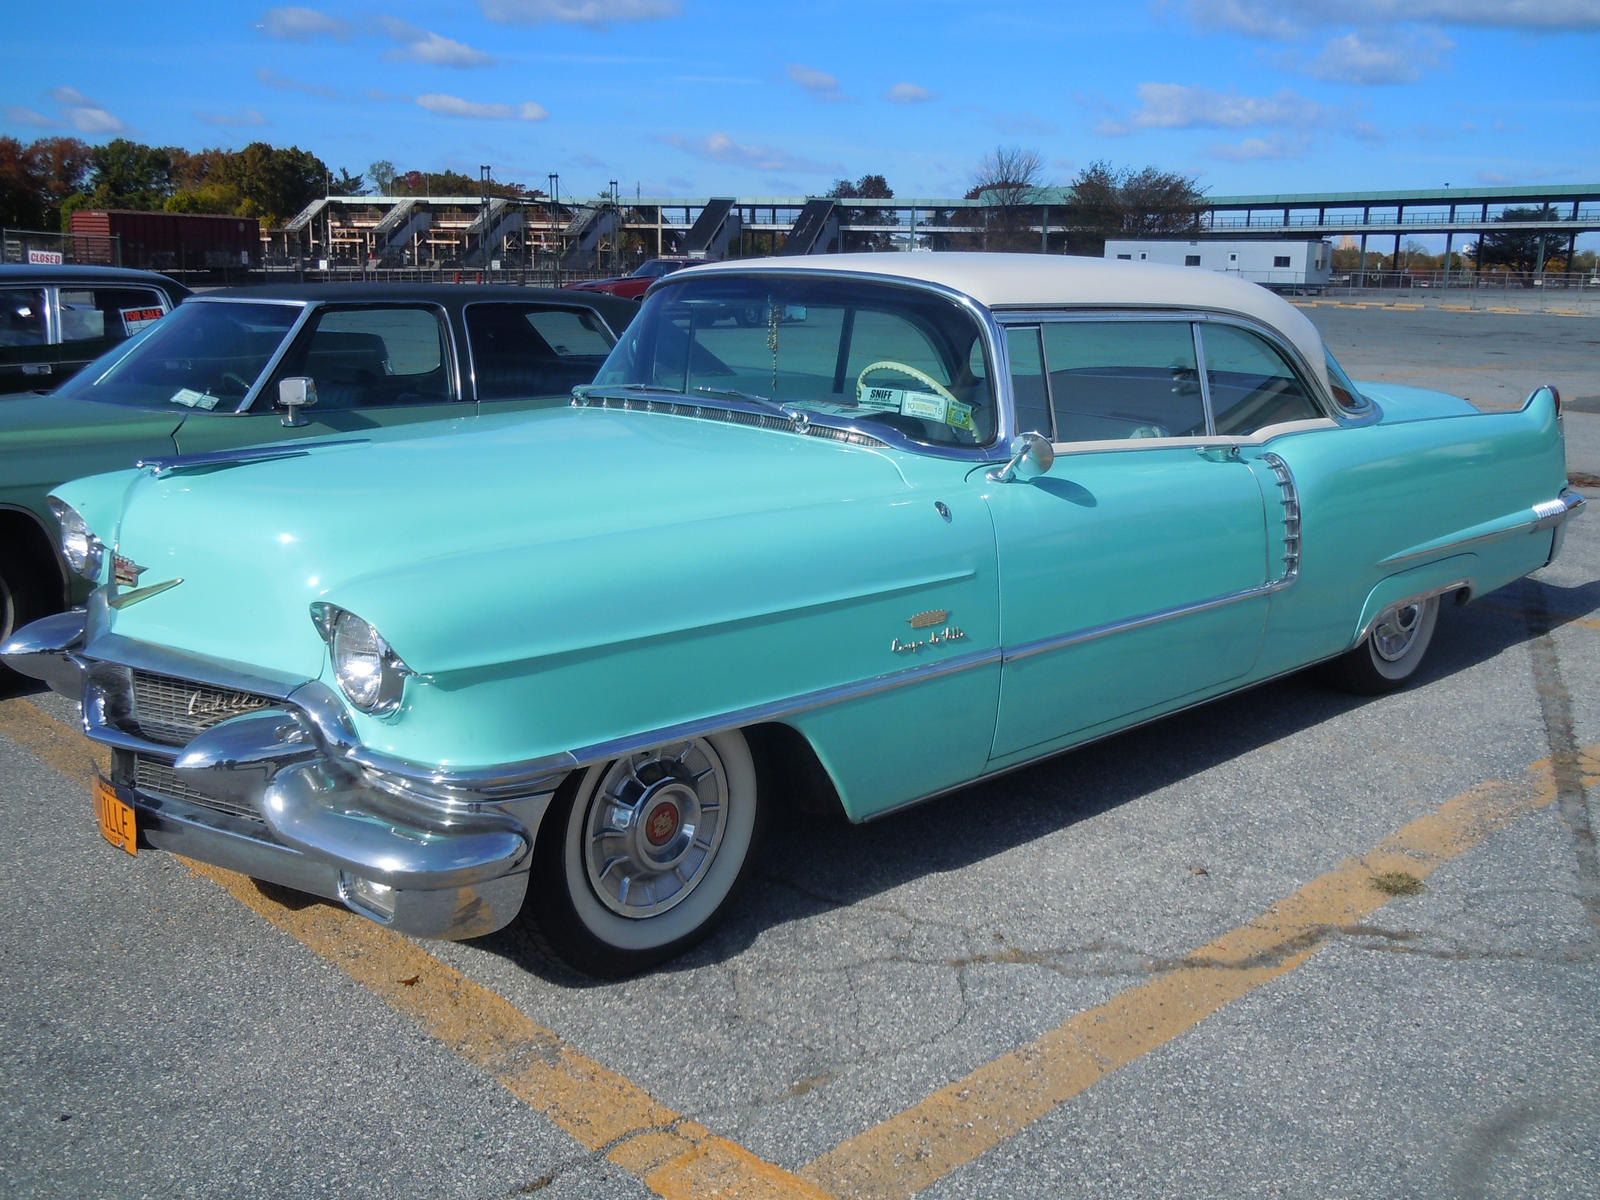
x: 117, y: 824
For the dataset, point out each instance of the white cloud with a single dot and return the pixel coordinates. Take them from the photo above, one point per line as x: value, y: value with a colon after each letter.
x: 1254, y: 149
x: 819, y: 83
x: 282, y: 83
x: 719, y: 147
x: 909, y: 93
x: 1179, y: 106
x: 83, y: 114
x: 17, y: 115
x: 297, y: 24
x: 246, y: 117
x: 1290, y: 19
x: 597, y: 14
x: 454, y: 106
x: 1355, y: 59
x: 422, y: 46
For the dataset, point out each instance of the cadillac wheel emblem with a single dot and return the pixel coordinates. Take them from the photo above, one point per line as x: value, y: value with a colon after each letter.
x: 661, y: 824
x: 124, y: 571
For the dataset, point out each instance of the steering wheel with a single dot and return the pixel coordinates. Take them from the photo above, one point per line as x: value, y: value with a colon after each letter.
x: 890, y: 365
x: 237, y: 380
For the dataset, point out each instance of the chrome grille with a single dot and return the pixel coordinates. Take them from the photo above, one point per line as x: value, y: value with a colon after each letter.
x: 157, y: 778
x: 172, y: 712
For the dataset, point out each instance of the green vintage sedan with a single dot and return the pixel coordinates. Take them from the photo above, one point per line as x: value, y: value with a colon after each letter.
x: 212, y: 375
x: 929, y: 518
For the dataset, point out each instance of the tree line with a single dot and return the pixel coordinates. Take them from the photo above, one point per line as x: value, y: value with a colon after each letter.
x: 43, y: 182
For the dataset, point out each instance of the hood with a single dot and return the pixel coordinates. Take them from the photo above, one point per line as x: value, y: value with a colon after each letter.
x: 533, y: 525
x: 1401, y: 403
x: 44, y: 440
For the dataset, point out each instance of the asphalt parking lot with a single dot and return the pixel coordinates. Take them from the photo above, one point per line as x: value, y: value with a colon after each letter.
x: 1159, y: 966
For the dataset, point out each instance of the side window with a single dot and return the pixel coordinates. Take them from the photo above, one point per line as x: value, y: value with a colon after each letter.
x: 1251, y: 384
x: 22, y: 317
x: 524, y: 350
x: 25, y: 358
x: 371, y: 357
x: 1027, y: 381
x: 106, y: 316
x: 1123, y: 379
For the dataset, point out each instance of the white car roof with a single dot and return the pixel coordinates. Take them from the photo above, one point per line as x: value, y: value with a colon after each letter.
x: 1033, y: 281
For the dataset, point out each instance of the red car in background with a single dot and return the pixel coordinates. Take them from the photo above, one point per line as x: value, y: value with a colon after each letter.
x: 636, y: 283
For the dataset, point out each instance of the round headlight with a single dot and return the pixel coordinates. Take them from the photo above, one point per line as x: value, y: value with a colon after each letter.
x: 370, y: 673
x: 83, y: 551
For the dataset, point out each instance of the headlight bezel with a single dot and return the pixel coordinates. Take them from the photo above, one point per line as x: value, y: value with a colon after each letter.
x: 368, y: 672
x: 82, y: 551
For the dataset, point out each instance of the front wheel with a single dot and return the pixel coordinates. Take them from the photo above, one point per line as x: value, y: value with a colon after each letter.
x: 20, y: 602
x: 1391, y: 653
x: 639, y: 857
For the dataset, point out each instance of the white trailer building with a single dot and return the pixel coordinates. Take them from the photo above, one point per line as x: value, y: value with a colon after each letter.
x: 1287, y: 265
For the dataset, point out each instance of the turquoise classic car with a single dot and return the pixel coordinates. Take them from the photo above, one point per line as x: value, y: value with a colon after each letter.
x: 924, y: 519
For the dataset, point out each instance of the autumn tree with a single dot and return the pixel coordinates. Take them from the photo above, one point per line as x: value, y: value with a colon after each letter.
x: 126, y: 174
x: 1515, y: 249
x: 1108, y: 202
x: 868, y: 187
x: 1009, y: 179
x: 36, y: 180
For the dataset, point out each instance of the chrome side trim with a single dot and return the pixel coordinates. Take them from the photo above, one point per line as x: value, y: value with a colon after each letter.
x: 1547, y: 514
x: 223, y: 458
x: 1290, y: 493
x: 519, y: 777
x: 1063, y: 640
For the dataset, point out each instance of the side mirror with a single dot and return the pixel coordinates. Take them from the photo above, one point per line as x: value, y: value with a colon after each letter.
x: 1031, y: 456
x: 295, y: 393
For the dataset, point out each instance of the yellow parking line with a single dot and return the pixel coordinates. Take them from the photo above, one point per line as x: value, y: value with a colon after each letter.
x: 679, y: 1159
x: 966, y: 1119
x: 676, y: 1158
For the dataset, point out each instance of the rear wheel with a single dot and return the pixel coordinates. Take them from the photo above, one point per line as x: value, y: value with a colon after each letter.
x: 639, y: 857
x: 1391, y: 653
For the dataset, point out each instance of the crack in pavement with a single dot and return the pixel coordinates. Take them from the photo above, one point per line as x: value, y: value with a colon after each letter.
x: 1555, y: 711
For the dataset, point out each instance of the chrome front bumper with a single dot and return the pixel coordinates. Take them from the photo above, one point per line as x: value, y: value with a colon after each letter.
x: 283, y: 793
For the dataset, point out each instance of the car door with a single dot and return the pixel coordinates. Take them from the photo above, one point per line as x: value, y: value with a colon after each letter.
x: 1135, y: 573
x: 373, y: 365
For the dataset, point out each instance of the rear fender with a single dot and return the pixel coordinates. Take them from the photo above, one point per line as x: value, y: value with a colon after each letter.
x: 1454, y: 574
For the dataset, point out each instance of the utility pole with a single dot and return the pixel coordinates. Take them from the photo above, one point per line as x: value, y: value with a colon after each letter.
x: 483, y: 239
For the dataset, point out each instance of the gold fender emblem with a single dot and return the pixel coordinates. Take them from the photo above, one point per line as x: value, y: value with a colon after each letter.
x: 927, y: 620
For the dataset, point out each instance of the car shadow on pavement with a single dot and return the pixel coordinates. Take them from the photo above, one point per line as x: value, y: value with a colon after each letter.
x: 815, y: 863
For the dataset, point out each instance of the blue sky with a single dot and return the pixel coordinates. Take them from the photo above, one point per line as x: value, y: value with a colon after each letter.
x: 705, y: 97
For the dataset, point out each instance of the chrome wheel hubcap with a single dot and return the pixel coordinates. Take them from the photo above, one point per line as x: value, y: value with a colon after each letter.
x: 1396, y: 630
x: 654, y: 826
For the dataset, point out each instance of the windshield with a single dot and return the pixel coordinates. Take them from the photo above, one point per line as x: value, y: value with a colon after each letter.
x: 201, y: 355
x: 880, y: 355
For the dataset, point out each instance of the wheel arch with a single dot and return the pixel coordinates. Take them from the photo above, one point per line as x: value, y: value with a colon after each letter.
x: 1449, y: 577
x: 34, y: 546
x: 790, y: 772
